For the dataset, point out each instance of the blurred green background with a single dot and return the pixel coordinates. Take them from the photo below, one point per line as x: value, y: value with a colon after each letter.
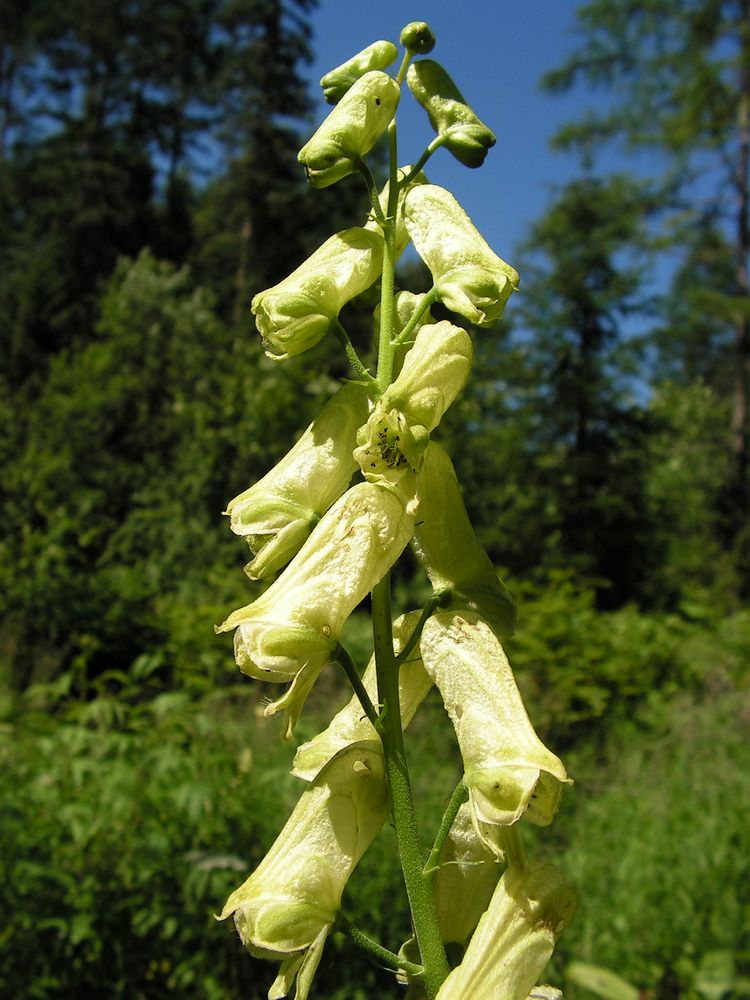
x: 148, y: 187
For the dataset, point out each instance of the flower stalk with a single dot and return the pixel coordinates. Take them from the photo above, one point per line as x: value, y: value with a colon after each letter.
x: 365, y: 480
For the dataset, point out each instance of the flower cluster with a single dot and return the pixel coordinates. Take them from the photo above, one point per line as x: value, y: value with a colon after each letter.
x: 365, y: 480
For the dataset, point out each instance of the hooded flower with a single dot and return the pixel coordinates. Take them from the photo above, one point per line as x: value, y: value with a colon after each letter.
x: 295, y: 314
x: 470, y: 278
x: 394, y: 439
x: 293, y: 628
x: 507, y: 769
x: 351, y: 725
x: 515, y: 938
x: 351, y: 129
x: 287, y: 907
x: 445, y: 544
x: 337, y: 81
x: 277, y: 514
x: 464, y: 135
x: 464, y: 881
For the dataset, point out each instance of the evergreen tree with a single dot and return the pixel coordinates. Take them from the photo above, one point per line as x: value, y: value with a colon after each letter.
x: 581, y: 285
x: 678, y: 72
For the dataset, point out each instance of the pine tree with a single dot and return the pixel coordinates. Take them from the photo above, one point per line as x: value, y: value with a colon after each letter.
x: 678, y: 76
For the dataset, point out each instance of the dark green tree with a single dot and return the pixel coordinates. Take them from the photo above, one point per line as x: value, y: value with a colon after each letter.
x: 583, y: 281
x: 677, y: 74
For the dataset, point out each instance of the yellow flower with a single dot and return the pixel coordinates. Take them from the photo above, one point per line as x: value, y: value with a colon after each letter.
x: 515, y: 938
x: 351, y: 129
x: 470, y: 278
x: 465, y: 879
x: 287, y: 907
x: 337, y: 82
x: 465, y: 135
x: 293, y: 629
x: 508, y: 770
x: 393, y: 441
x: 295, y: 314
x: 445, y: 544
x: 277, y: 514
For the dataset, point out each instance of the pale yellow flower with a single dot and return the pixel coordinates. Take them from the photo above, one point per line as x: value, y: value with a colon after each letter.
x: 508, y: 770
x: 287, y: 907
x: 294, y: 627
x: 515, y: 938
x: 277, y: 513
x: 464, y: 134
x: 470, y: 278
x: 337, y: 82
x: 448, y: 549
x: 295, y: 314
x: 351, y: 129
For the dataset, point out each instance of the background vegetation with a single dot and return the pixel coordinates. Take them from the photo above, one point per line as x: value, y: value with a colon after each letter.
x: 148, y: 185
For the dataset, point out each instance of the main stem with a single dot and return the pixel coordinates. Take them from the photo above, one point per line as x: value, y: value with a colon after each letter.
x: 418, y: 888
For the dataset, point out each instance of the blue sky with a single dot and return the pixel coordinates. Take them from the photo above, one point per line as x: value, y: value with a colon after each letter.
x: 496, y: 52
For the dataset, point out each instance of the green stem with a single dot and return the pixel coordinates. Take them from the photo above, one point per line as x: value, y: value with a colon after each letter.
x: 427, y: 610
x: 436, y: 143
x: 403, y: 67
x: 355, y: 680
x: 418, y: 888
x: 382, y: 955
x: 354, y: 360
x: 430, y: 299
x: 372, y: 190
x: 457, y: 799
x: 387, y: 284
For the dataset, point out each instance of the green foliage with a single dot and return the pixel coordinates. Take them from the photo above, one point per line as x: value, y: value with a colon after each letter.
x: 658, y: 848
x: 124, y: 824
x: 127, y: 819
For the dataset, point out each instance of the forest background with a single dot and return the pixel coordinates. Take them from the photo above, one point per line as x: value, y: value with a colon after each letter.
x: 149, y: 186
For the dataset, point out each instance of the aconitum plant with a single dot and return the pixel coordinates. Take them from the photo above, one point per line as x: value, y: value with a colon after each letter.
x: 364, y: 481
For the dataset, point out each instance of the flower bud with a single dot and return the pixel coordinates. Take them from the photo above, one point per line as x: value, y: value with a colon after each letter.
x: 466, y: 136
x: 417, y: 37
x: 445, y: 544
x: 351, y: 129
x: 470, y: 278
x: 287, y: 907
x: 295, y: 314
x: 278, y: 513
x: 464, y: 881
x: 515, y: 938
x: 291, y: 631
x: 402, y: 237
x: 351, y: 725
x: 507, y: 769
x: 337, y: 81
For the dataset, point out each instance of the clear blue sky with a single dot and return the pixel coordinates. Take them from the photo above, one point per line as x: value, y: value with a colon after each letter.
x: 496, y: 51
